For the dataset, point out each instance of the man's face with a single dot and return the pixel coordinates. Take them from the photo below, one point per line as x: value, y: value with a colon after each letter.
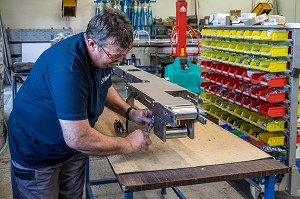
x: 106, y: 56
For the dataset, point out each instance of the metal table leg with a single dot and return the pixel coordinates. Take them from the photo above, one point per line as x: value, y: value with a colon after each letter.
x: 269, y: 187
x: 128, y: 195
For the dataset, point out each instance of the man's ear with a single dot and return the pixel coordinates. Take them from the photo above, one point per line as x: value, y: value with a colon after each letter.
x: 91, y: 44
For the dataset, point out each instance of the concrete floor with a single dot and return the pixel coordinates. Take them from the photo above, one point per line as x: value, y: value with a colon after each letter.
x: 100, y: 169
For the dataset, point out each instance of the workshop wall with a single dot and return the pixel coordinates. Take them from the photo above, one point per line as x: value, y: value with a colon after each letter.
x: 46, y: 14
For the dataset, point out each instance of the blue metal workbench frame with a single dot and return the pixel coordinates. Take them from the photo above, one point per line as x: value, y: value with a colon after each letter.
x: 127, y: 195
x: 269, y: 188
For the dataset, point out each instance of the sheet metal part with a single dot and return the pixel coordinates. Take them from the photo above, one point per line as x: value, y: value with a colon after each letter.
x: 173, y: 106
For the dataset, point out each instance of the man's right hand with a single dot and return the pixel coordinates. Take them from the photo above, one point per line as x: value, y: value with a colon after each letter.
x: 138, y: 140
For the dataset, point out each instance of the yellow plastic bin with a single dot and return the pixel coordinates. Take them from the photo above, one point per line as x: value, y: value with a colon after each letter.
x: 238, y: 112
x: 273, y: 66
x: 239, y: 60
x: 232, y: 119
x: 238, y: 123
x: 256, y: 35
x: 226, y: 33
x: 255, y: 63
x: 206, y: 53
x: 225, y: 46
x: 213, y: 55
x: 255, y: 50
x: 247, y: 114
x: 256, y: 118
x: 225, y: 116
x: 224, y: 104
x: 225, y: 58
x: 219, y: 33
x: 247, y: 48
x: 271, y: 125
x: 205, y: 32
x: 232, y: 107
x: 213, y: 44
x: 219, y: 45
x: 239, y: 48
x: 273, y: 35
x: 275, y: 51
x: 205, y: 43
x: 245, y: 128
x: 239, y: 34
x: 205, y: 95
x: 247, y: 62
x: 213, y: 33
x: 232, y: 34
x: 272, y: 139
x: 247, y: 34
x: 232, y: 47
x: 255, y: 130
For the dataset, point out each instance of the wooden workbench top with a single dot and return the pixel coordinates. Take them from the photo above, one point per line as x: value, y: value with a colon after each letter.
x: 214, y: 155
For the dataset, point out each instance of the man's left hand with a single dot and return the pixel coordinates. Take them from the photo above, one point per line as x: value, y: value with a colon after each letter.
x: 143, y: 116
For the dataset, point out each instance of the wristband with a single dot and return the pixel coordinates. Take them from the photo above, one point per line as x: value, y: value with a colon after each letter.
x: 127, y: 113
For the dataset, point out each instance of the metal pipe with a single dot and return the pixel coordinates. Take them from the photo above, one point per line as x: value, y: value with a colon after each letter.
x: 176, y: 132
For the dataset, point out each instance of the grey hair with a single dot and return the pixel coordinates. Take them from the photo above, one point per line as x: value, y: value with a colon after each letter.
x: 110, y: 24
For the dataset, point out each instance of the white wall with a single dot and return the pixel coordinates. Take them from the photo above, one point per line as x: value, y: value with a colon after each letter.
x: 290, y: 9
x: 47, y: 14
x: 44, y: 14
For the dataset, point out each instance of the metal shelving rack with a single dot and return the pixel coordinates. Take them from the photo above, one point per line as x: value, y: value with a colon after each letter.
x: 290, y: 181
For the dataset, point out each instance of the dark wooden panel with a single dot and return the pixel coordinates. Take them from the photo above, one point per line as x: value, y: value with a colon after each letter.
x: 140, y: 181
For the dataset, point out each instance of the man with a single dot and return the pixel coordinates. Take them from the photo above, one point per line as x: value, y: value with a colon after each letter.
x: 51, y: 125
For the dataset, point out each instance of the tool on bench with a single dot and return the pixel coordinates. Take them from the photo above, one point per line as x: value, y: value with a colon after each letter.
x: 174, y: 107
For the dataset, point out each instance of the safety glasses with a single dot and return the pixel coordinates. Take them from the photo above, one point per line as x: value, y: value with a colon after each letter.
x: 113, y: 56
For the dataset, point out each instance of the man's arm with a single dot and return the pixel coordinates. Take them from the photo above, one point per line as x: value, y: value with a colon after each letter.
x: 81, y: 137
x: 115, y: 102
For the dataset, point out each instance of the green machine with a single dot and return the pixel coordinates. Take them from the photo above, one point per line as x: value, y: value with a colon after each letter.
x: 184, y: 73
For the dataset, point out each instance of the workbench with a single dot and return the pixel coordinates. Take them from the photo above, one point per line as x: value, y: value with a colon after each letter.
x: 161, y: 179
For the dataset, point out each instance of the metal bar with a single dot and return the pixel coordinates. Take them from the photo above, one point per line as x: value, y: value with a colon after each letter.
x: 178, y: 193
x: 163, y: 191
x: 269, y: 187
x: 88, y: 191
x: 6, y: 52
x: 128, y: 195
x: 89, y: 183
x: 293, y: 114
x: 14, y: 89
x: 103, y: 181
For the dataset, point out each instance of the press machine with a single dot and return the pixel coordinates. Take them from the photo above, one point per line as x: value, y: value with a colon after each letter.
x: 183, y: 72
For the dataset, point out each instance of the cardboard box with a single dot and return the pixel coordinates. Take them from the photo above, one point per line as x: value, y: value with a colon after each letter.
x: 247, y: 16
x: 277, y: 18
x: 256, y: 20
x: 218, y: 18
x: 235, y: 13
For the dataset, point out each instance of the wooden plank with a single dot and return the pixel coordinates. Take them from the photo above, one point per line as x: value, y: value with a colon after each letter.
x: 139, y: 181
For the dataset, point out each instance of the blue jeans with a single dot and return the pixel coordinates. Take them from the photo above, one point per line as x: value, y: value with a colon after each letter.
x: 62, y: 180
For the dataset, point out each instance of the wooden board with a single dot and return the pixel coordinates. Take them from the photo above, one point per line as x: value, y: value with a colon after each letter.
x: 212, y: 146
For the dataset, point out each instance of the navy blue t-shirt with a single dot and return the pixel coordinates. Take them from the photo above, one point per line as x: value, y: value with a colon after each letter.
x: 63, y: 84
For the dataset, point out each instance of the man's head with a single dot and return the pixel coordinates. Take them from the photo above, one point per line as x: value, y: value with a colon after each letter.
x: 110, y: 35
